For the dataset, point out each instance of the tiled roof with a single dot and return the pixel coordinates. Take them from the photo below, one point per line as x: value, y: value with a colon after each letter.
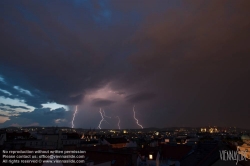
x: 116, y: 140
x: 73, y: 136
x: 90, y: 142
x: 175, y: 152
x: 15, y: 134
x: 97, y: 148
x: 101, y: 157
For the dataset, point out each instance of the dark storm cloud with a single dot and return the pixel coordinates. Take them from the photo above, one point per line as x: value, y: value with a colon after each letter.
x: 196, y: 59
x: 57, y: 113
x: 7, y: 109
x: 58, y: 56
x: 11, y: 106
x: 70, y: 100
x: 140, y: 97
x: 4, y: 115
x: 198, y: 62
x: 44, y: 117
x: 193, y: 55
x: 121, y: 93
x: 60, y: 112
x: 35, y: 101
x: 102, y: 102
x: 4, y: 93
x: 24, y: 91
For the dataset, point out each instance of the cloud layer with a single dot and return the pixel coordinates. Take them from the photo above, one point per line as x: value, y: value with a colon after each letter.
x: 185, y: 61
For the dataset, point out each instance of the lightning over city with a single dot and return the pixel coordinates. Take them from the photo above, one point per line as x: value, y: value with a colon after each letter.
x: 118, y: 124
x: 137, y: 122
x: 104, y: 114
x: 74, y: 117
x: 72, y: 70
x: 99, y: 126
x: 106, y: 122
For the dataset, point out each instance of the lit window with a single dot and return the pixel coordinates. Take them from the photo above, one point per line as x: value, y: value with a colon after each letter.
x: 150, y: 157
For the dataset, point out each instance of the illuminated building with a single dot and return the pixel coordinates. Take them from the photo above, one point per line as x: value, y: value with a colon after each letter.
x: 203, y: 130
x: 245, y: 148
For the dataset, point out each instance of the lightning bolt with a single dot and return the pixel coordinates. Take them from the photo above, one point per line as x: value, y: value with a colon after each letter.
x: 118, y: 122
x: 104, y: 114
x: 136, y: 119
x: 101, y: 119
x: 74, y: 117
x: 106, y: 121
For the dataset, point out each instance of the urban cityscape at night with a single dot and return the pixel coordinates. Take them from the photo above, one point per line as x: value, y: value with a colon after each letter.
x: 125, y: 82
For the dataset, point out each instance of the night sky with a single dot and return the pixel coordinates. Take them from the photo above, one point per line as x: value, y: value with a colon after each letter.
x: 180, y: 63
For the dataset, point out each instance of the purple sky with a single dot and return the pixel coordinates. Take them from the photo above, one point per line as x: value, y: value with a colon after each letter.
x: 180, y: 63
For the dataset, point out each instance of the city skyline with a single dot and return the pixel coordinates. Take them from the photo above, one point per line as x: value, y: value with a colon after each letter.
x: 153, y: 64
